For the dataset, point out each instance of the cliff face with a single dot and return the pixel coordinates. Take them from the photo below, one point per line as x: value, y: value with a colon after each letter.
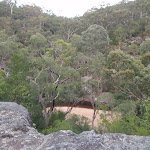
x: 17, y: 133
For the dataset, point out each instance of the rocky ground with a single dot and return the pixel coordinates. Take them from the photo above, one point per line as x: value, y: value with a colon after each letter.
x: 17, y: 133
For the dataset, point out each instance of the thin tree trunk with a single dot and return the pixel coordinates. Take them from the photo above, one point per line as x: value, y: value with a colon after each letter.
x: 141, y: 14
x: 46, y: 117
x: 93, y: 119
x: 98, y: 86
x: 46, y: 114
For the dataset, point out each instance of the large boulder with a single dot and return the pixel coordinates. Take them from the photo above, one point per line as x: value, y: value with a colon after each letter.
x: 17, y: 133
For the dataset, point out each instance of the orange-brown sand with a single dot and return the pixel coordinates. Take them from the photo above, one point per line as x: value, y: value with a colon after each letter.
x: 87, y: 113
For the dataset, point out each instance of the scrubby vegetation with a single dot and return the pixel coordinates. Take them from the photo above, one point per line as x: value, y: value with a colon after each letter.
x: 46, y: 60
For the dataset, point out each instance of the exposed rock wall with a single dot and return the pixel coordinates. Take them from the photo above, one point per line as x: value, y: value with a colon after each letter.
x: 17, y: 133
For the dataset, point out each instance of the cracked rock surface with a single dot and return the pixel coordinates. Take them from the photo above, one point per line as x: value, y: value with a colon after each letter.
x: 17, y: 133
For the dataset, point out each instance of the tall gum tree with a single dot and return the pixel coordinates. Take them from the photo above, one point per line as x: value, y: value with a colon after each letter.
x: 11, y: 4
x: 95, y: 39
x: 47, y: 77
x: 48, y: 73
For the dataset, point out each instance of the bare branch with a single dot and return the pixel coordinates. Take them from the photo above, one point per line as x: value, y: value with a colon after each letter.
x: 74, y: 104
x: 50, y: 71
x: 64, y: 80
x: 57, y: 80
x: 38, y: 75
x: 133, y: 94
x: 56, y: 95
x: 129, y: 92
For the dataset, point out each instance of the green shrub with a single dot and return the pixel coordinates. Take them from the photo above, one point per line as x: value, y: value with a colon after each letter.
x: 37, y: 116
x: 129, y: 123
x: 125, y: 107
x: 75, y: 123
x: 57, y: 125
x: 58, y: 115
x: 79, y: 124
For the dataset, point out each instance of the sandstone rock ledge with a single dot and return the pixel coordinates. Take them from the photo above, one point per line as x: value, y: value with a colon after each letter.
x: 17, y: 133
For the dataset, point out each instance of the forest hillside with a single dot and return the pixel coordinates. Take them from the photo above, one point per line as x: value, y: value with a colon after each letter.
x: 101, y: 60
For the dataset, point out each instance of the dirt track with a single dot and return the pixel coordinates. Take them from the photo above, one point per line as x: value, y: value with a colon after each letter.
x: 87, y: 113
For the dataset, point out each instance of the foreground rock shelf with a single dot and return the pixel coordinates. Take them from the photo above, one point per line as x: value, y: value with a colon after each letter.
x: 17, y: 133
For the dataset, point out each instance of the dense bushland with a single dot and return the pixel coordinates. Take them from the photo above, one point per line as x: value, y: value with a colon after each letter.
x: 47, y: 60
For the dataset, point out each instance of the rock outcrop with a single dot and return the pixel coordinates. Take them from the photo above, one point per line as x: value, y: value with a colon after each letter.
x: 17, y: 133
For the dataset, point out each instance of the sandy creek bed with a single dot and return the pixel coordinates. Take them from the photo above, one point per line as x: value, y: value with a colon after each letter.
x: 87, y: 113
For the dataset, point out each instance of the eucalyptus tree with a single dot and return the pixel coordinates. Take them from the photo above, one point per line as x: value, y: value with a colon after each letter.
x: 47, y: 76
x: 96, y: 69
x: 11, y: 4
x: 95, y: 39
x: 17, y: 86
x: 70, y: 26
x: 144, y: 47
x: 49, y: 70
x: 76, y: 41
x: 127, y: 75
x: 120, y: 35
x: 7, y: 47
x: 4, y: 9
x: 63, y: 52
x: 38, y: 42
x: 144, y: 51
